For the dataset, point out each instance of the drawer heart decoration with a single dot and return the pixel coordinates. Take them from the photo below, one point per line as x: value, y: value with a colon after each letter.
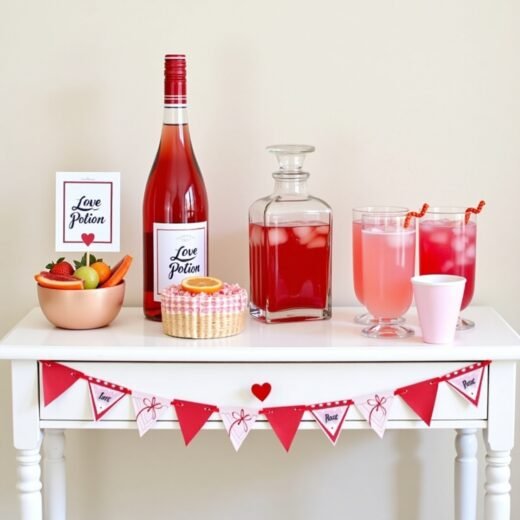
x: 261, y: 391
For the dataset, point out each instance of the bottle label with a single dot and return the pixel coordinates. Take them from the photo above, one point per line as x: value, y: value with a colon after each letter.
x: 179, y: 250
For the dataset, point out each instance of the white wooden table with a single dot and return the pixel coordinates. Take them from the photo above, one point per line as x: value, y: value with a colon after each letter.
x: 304, y: 362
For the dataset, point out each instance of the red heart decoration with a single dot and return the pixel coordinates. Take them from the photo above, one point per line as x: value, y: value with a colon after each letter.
x: 261, y: 391
x: 88, y: 238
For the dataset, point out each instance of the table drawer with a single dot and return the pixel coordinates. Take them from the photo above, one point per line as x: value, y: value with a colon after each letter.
x: 227, y: 384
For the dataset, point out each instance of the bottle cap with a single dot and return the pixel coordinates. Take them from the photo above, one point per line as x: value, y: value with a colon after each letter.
x: 175, y: 80
x: 290, y: 156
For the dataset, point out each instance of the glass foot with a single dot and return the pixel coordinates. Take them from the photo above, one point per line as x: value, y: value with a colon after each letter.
x: 387, y: 329
x: 464, y: 324
x: 366, y: 318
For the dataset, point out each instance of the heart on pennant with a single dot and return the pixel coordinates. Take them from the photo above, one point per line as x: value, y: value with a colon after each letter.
x: 87, y: 238
x: 261, y: 391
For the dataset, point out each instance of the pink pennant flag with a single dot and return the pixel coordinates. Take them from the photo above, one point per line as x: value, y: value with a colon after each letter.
x: 284, y: 421
x: 104, y: 396
x: 330, y: 418
x: 421, y: 397
x: 149, y: 409
x: 468, y: 382
x: 375, y: 408
x: 238, y: 422
x: 192, y: 417
x: 56, y: 379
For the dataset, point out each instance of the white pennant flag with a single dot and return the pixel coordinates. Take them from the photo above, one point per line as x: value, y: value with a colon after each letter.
x: 149, y: 409
x: 103, y: 398
x: 238, y: 422
x: 330, y: 419
x: 468, y: 383
x: 375, y: 408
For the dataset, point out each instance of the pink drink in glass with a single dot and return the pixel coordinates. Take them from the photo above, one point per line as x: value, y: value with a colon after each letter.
x: 357, y: 260
x: 388, y: 266
x: 357, y: 251
x: 447, y: 245
x: 290, y: 266
x: 388, y: 262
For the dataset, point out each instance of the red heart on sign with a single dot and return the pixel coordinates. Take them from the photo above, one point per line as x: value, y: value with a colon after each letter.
x: 88, y: 238
x: 261, y: 391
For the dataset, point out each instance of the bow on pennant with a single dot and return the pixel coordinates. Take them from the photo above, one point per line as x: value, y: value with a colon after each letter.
x: 149, y: 409
x: 150, y: 406
x: 377, y: 404
x: 375, y: 408
x: 238, y: 422
x: 240, y: 419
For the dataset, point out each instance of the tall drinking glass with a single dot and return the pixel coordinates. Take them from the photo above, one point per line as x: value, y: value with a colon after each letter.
x: 448, y: 245
x: 365, y: 318
x: 388, y: 266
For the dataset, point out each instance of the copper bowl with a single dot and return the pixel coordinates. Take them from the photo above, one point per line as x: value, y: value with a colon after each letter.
x: 81, y: 309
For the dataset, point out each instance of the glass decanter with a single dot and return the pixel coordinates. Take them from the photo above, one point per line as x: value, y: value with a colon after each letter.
x: 290, y: 239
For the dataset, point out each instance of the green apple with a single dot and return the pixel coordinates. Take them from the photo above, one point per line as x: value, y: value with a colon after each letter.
x: 89, y: 276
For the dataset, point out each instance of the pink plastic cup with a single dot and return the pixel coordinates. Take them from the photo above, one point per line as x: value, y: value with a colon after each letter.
x: 438, y: 298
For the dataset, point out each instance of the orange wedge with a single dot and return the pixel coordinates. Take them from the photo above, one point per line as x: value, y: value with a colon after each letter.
x: 198, y: 284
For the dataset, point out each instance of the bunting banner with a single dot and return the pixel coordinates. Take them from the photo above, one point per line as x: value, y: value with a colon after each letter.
x: 104, y: 397
x: 468, y: 381
x: 330, y: 418
x: 56, y: 380
x: 192, y: 417
x: 420, y: 397
x: 284, y: 421
x: 148, y: 410
x: 238, y: 422
x: 375, y: 407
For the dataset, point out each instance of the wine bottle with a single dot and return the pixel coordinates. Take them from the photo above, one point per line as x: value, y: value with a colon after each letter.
x: 175, y: 206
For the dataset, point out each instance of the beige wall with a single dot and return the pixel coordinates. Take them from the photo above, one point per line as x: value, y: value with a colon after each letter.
x: 406, y: 101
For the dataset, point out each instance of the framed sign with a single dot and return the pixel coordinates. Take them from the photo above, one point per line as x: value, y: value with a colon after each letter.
x: 87, y: 211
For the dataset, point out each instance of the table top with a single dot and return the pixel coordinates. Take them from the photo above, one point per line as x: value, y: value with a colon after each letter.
x: 133, y: 338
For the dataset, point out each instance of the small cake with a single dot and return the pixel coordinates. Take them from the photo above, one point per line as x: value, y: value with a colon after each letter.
x: 197, y: 313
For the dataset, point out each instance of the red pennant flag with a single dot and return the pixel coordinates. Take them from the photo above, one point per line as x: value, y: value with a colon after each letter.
x: 284, y: 421
x: 104, y: 396
x: 192, y: 417
x: 468, y: 381
x: 421, y: 397
x: 56, y: 380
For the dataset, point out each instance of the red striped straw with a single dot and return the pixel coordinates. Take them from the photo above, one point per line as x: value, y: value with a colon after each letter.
x: 415, y: 214
x: 475, y: 211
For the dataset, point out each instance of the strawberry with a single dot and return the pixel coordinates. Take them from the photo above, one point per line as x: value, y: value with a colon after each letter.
x: 60, y: 267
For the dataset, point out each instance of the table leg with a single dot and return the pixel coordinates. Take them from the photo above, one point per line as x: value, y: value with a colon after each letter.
x: 29, y: 484
x: 498, y: 497
x: 466, y: 474
x: 54, y: 476
x: 499, y: 439
x: 27, y: 437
